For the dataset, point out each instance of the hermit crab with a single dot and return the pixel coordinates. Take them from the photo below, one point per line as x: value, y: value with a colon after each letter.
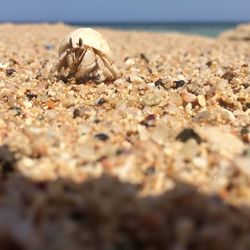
x: 85, y: 55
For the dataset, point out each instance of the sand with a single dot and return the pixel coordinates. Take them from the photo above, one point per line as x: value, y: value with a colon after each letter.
x: 158, y: 159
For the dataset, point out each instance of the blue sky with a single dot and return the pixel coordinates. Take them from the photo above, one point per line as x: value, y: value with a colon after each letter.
x: 124, y: 10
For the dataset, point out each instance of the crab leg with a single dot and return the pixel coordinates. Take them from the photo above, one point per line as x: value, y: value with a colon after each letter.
x: 108, y: 65
x: 59, y: 63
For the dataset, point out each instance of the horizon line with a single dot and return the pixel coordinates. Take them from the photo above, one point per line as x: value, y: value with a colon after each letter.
x: 220, y: 22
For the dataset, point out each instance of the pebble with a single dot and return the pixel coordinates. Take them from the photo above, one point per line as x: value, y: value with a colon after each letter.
x: 188, y: 109
x: 200, y: 162
x: 136, y: 79
x: 5, y: 92
x: 227, y: 115
x: 188, y: 97
x: 243, y: 165
x: 175, y: 98
x: 34, y: 130
x: 144, y: 135
x: 160, y: 133
x: 152, y: 99
x: 2, y: 124
x: 134, y: 76
x: 119, y: 81
x: 130, y: 62
x: 221, y: 140
x: 27, y: 104
x: 189, y: 149
x: 201, y: 100
x: 83, y: 129
x: 3, y: 66
x: 203, y: 116
x: 50, y: 114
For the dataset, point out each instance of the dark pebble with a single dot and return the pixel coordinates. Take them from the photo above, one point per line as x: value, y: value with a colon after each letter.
x: 246, y: 106
x: 150, y: 170
x: 10, y: 72
x: 244, y: 134
x: 17, y: 109
x: 139, y: 186
x: 97, y: 121
x: 246, y: 85
x: 150, y: 71
x: 244, y: 131
x: 49, y: 47
x: 128, y: 80
x: 79, y: 112
x: 158, y: 83
x: 143, y: 57
x: 188, y: 133
x: 7, y: 160
x: 229, y: 76
x: 31, y: 95
x: 77, y: 215
x: 149, y: 121
x: 126, y: 58
x: 119, y: 151
x: 241, y: 99
x: 225, y: 104
x: 209, y: 63
x: 179, y: 84
x: 102, y: 137
x: 10, y: 242
x: 76, y: 113
x: 100, y: 101
x: 42, y: 185
x: 216, y: 199
x: 123, y: 245
x: 246, y: 152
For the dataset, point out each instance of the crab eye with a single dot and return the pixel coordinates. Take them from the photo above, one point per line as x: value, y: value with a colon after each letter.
x: 70, y: 42
x: 80, y: 42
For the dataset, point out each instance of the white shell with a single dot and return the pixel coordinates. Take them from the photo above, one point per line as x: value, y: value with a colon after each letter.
x: 89, y: 37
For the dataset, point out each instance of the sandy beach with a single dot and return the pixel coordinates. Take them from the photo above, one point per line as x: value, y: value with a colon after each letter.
x: 158, y: 159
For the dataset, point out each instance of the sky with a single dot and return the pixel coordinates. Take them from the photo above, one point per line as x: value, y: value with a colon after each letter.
x: 125, y: 10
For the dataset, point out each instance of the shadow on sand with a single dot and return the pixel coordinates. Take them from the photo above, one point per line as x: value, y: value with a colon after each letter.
x: 107, y: 214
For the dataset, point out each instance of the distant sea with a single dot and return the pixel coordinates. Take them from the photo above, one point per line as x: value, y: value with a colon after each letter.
x: 205, y: 29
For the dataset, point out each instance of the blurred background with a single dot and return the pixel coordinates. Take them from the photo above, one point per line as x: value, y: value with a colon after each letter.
x: 190, y: 16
